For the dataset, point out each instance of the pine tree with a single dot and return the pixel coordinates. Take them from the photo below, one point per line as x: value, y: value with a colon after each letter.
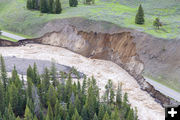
x: 13, y: 98
x: 119, y: 96
x: 140, y: 16
x: 76, y: 116
x: 130, y: 115
x: 50, y: 113
x: 53, y: 74
x: 35, y: 77
x: 29, y: 88
x: 9, y: 115
x: 106, y: 116
x: 43, y: 6
x: 57, y: 111
x: 28, y: 115
x: 84, y: 113
x: 18, y: 118
x: 35, y: 118
x: 51, y: 96
x: 68, y: 88
x: 101, y: 112
x: 73, y: 3
x: 115, y: 115
x: 30, y: 72
x: 58, y: 7
x: 2, y: 98
x: 29, y: 4
x: 33, y: 2
x: 95, y: 117
x: 78, y: 104
x: 50, y: 6
x: 30, y: 105
x: 3, y: 73
x: 91, y: 102
x: 45, y: 87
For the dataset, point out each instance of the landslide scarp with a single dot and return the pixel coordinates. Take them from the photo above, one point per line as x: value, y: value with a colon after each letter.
x: 117, y: 47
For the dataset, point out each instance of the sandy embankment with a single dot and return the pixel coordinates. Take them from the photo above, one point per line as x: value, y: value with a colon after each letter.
x: 102, y: 70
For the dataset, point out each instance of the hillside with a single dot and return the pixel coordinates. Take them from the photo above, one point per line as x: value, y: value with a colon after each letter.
x: 15, y: 17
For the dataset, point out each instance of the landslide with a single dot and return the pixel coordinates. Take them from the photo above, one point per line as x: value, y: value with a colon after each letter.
x: 116, y: 47
x: 161, y: 57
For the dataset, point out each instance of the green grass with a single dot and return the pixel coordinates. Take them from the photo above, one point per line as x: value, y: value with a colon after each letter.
x: 168, y: 83
x: 15, y: 17
x: 7, y: 38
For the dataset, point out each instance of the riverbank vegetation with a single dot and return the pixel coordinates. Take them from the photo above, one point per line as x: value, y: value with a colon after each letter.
x: 56, y: 96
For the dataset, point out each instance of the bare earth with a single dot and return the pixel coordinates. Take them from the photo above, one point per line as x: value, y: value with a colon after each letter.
x: 102, y: 70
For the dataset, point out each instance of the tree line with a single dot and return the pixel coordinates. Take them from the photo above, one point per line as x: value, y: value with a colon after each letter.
x: 54, y: 96
x: 45, y: 6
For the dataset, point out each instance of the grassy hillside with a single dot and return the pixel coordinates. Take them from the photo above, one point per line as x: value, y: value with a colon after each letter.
x: 15, y: 17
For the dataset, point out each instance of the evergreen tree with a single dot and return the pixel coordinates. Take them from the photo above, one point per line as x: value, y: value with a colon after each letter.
x: 2, y: 98
x: 78, y: 104
x: 3, y: 73
x: 35, y: 118
x: 140, y: 16
x: 53, y: 74
x: 84, y: 90
x: 45, y: 87
x: 51, y: 96
x: 106, y: 116
x: 50, y: 5
x: 91, y: 102
x: 50, y: 113
x: 115, y: 115
x: 58, y: 7
x: 57, y: 111
x: 95, y: 117
x: 157, y: 23
x: 13, y: 98
x: 84, y: 113
x: 33, y: 4
x: 125, y: 105
x: 101, y: 112
x: 18, y: 118
x: 73, y: 3
x: 130, y: 115
x: 76, y: 116
x: 119, y: 96
x: 29, y: 4
x: 35, y: 77
x: 28, y: 115
x: 68, y: 88
x: 9, y: 115
x: 30, y: 72
x: 43, y: 6
x: 29, y: 88
x: 30, y: 105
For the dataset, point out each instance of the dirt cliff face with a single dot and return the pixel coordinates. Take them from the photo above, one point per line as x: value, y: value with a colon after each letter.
x: 118, y: 47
